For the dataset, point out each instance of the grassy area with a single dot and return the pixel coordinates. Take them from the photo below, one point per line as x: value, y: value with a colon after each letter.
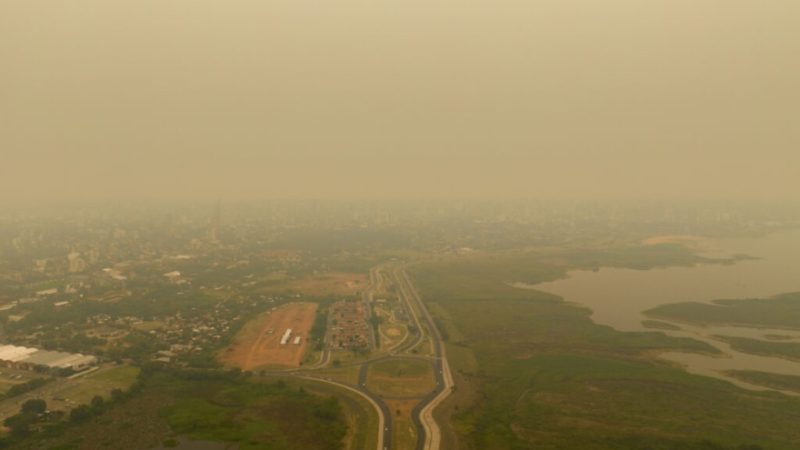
x: 788, y: 350
x: 347, y: 374
x: 404, y: 435
x: 256, y: 416
x: 771, y: 380
x: 535, y: 372
x: 401, y: 368
x: 401, y: 378
x: 448, y: 330
x: 392, y: 334
x: 5, y: 386
x: 253, y: 414
x: 81, y: 390
x: 782, y: 311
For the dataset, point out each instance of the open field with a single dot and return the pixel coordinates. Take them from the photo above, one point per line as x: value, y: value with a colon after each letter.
x: 11, y: 377
x: 404, y: 435
x: 401, y: 378
x: 65, y: 393
x: 258, y: 343
x: 333, y: 283
x: 535, y: 372
x: 79, y: 391
x: 347, y: 375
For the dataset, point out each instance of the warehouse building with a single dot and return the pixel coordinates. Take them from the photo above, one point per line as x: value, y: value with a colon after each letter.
x: 31, y: 358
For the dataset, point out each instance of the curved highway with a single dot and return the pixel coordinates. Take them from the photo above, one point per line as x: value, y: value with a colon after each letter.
x: 429, y: 435
x: 428, y: 432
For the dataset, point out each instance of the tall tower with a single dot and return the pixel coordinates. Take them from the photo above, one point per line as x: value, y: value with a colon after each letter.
x: 216, y: 219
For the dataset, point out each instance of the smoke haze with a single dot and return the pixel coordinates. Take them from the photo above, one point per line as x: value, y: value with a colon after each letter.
x: 345, y: 98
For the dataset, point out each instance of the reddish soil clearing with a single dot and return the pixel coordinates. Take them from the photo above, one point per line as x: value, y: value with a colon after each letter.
x: 256, y: 346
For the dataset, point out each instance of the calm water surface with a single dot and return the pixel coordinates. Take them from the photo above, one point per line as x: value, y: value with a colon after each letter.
x: 617, y: 297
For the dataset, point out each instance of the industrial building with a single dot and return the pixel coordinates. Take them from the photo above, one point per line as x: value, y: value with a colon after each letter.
x: 31, y: 358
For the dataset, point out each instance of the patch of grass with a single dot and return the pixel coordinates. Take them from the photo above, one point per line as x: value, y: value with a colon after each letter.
x: 401, y: 368
x: 401, y: 378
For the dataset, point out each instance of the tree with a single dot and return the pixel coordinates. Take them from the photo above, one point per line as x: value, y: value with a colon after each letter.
x: 20, y: 425
x: 117, y: 394
x: 81, y: 413
x: 97, y: 402
x: 34, y: 406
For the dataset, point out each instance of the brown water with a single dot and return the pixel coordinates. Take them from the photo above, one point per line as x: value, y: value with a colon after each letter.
x: 617, y: 298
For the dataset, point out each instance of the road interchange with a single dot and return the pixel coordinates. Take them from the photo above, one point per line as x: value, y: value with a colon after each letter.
x: 428, y: 435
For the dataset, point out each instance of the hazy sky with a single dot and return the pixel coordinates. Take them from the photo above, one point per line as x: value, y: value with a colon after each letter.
x: 266, y: 98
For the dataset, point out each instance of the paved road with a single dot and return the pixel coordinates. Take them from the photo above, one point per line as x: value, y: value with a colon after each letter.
x: 384, y: 415
x: 429, y: 435
x: 387, y: 415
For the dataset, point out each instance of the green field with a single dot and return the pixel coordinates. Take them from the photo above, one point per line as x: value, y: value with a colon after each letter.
x: 401, y: 367
x: 782, y: 311
x: 401, y: 378
x: 535, y: 372
x: 81, y: 390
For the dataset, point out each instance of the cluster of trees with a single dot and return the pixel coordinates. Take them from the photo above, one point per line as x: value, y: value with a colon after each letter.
x: 19, y: 389
x: 31, y: 413
x: 34, y: 416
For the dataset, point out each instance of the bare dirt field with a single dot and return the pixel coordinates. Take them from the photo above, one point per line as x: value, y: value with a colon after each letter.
x: 258, y: 343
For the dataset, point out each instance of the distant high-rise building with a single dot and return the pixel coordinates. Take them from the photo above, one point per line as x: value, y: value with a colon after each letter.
x: 216, y: 219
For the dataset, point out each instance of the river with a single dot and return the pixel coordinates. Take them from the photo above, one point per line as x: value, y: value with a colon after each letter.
x: 617, y: 298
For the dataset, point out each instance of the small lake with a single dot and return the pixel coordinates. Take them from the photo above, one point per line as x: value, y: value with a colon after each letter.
x: 617, y: 297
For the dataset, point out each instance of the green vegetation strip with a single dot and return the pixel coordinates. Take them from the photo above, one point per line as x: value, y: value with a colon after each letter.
x: 782, y: 311
x: 766, y: 379
x: 788, y: 350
